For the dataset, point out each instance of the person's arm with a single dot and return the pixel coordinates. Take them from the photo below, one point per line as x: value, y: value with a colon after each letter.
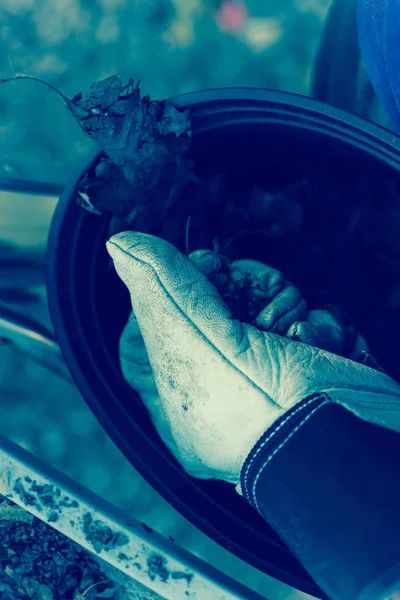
x: 324, y: 479
x: 378, y: 36
x: 328, y: 482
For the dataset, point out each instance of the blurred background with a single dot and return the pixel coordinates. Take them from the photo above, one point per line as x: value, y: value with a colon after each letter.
x: 172, y: 47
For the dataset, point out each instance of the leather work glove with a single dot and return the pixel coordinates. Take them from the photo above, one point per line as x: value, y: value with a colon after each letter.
x: 283, y: 310
x: 213, y: 384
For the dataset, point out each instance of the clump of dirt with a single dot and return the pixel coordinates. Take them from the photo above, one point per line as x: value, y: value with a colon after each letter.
x: 239, y: 296
x: 101, y: 536
x: 157, y: 566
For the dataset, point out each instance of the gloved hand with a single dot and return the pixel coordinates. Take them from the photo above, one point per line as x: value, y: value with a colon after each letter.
x: 282, y: 309
x: 218, y: 383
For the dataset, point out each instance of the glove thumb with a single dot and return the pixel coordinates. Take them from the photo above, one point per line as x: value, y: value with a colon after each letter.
x: 167, y: 288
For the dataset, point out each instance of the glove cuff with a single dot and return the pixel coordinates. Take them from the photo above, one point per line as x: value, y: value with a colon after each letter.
x: 273, y: 440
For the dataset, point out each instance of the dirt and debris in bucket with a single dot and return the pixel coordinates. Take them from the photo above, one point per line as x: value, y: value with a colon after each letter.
x: 39, y: 563
x: 334, y: 231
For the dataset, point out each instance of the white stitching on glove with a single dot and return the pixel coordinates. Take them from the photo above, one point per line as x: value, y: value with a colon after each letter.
x: 216, y: 384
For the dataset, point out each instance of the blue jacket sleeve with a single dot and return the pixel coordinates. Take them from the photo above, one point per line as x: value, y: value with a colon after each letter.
x: 329, y: 484
x: 378, y: 33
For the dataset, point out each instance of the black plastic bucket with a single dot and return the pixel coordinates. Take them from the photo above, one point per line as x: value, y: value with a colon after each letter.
x: 243, y: 131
